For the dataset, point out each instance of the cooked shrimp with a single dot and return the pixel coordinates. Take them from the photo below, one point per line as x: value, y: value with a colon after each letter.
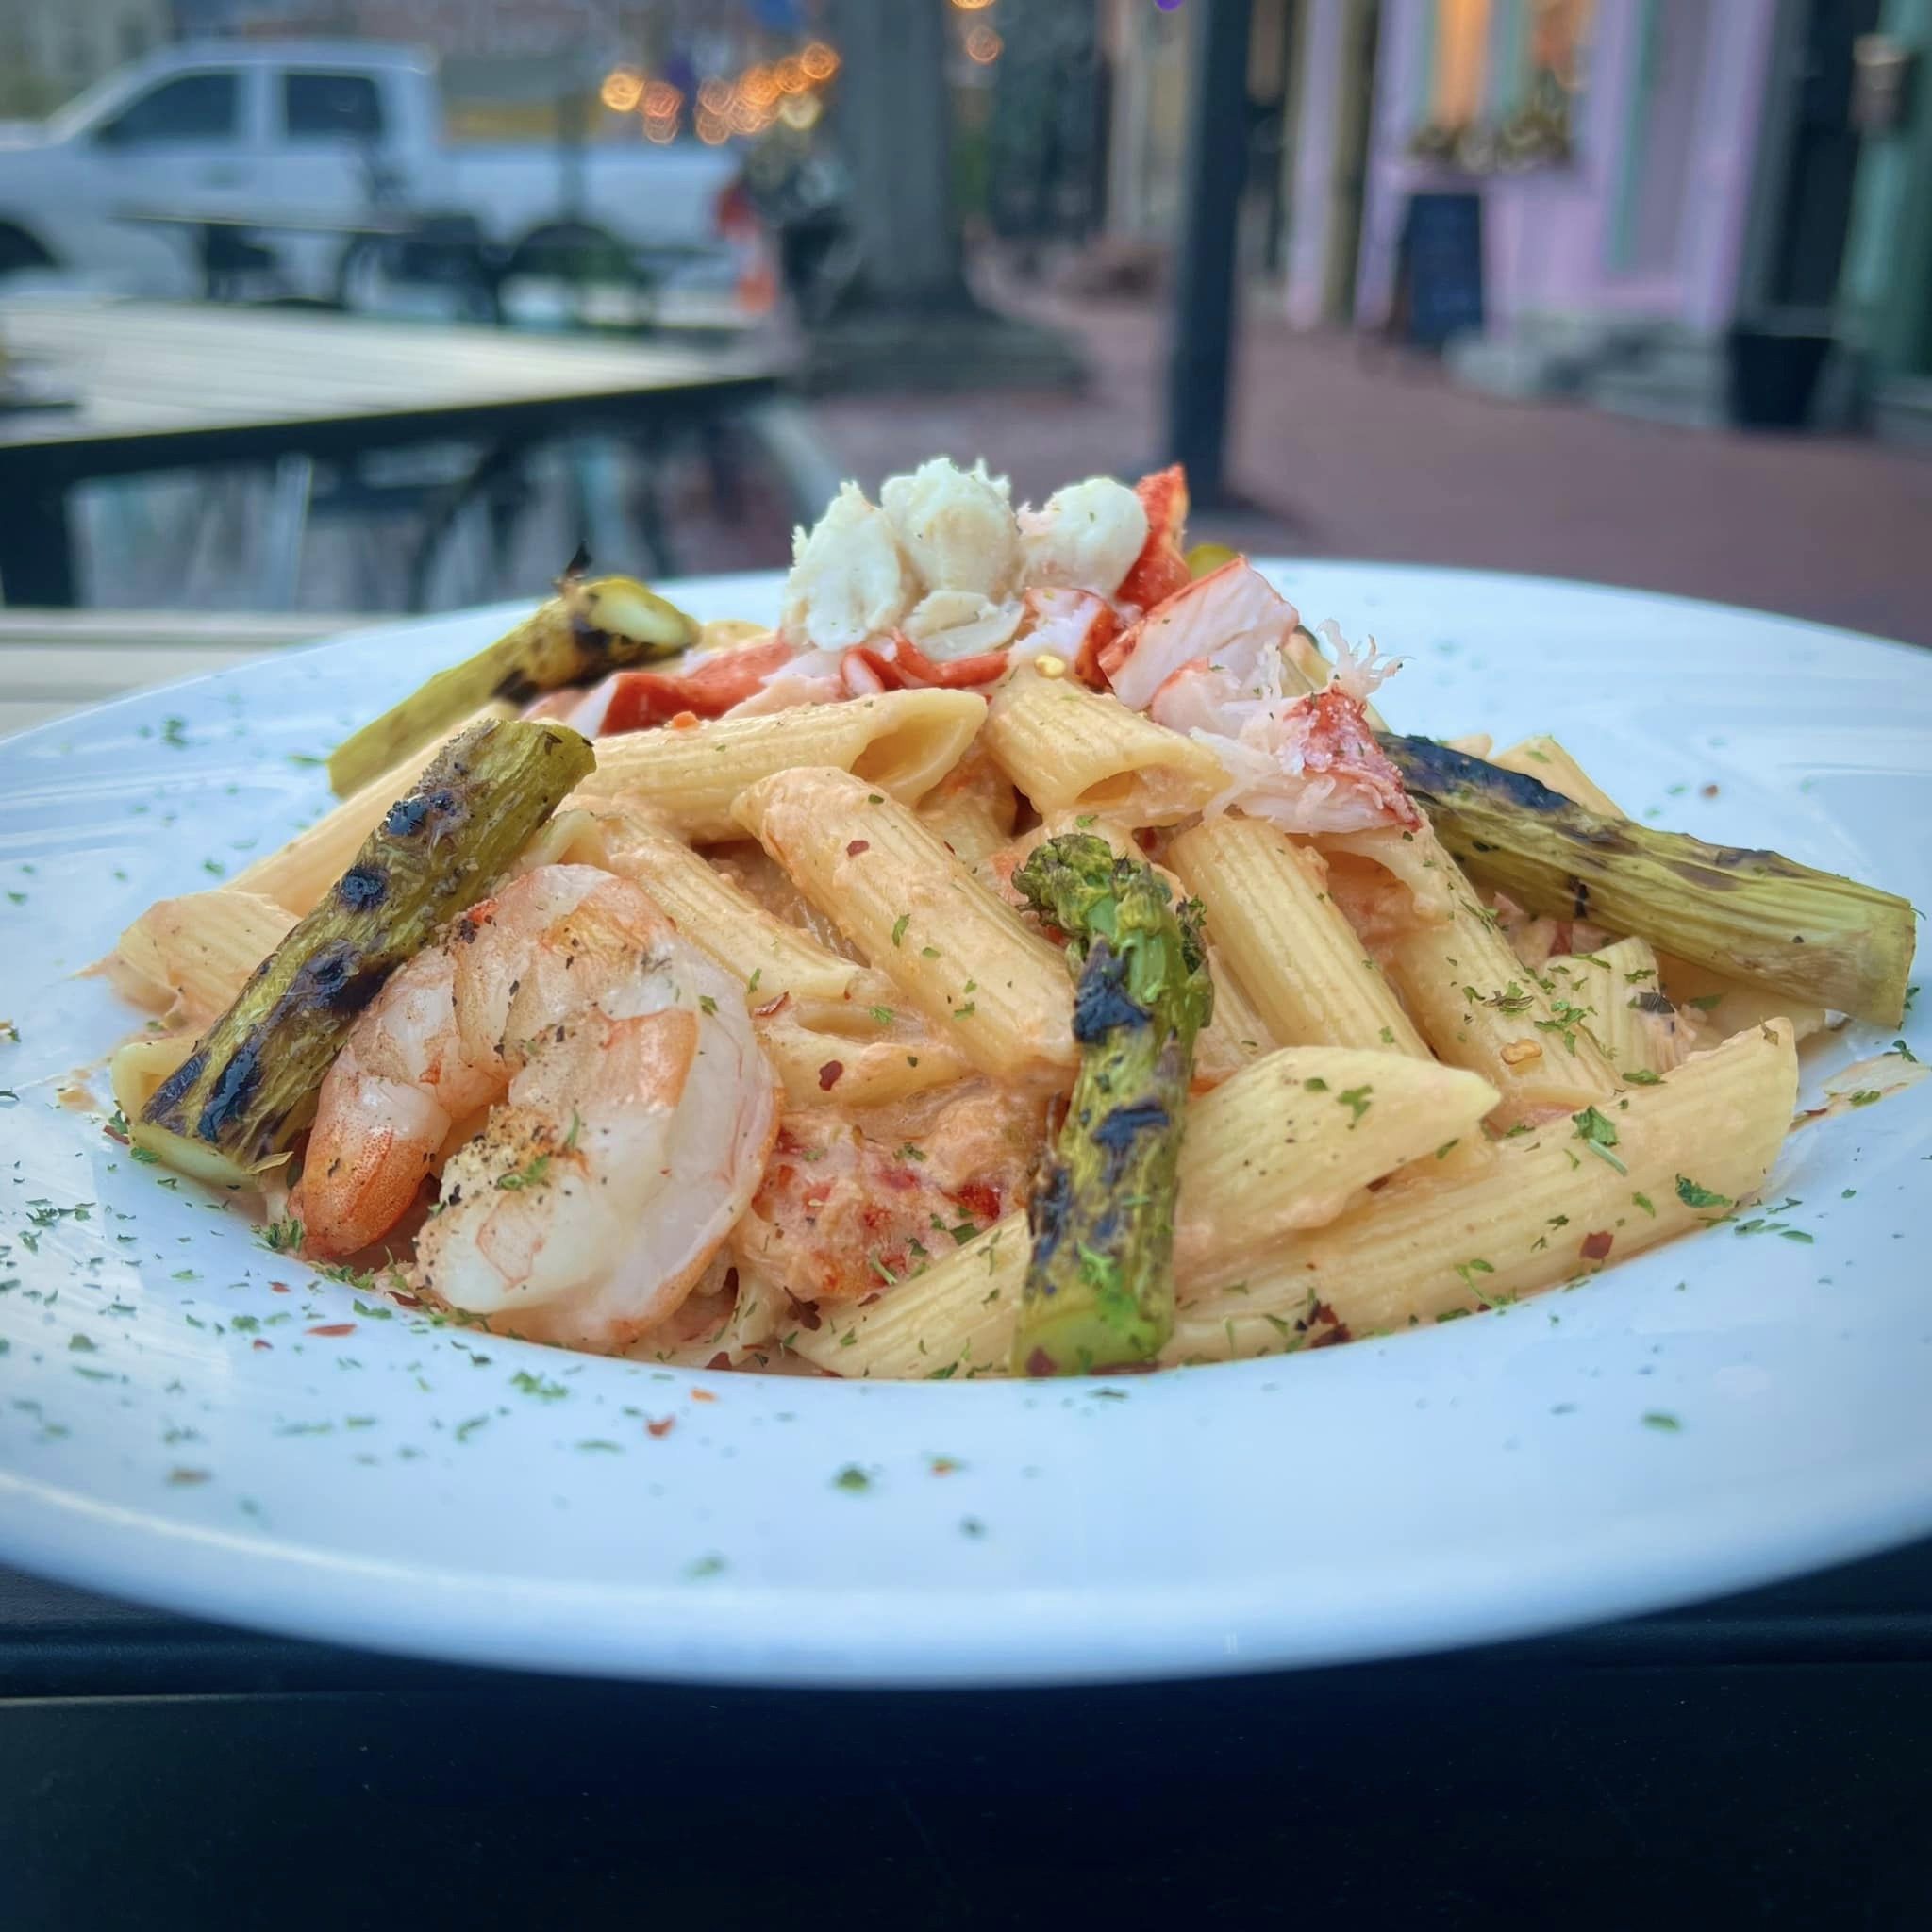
x: 631, y: 1112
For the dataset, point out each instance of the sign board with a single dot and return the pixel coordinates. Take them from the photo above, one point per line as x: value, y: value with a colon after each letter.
x: 1441, y: 267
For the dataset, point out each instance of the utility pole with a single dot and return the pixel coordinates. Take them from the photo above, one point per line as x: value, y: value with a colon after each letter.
x: 1201, y: 353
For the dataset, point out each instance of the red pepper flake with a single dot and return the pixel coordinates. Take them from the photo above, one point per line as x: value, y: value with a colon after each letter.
x: 856, y: 846
x: 1707, y: 791
x: 259, y: 1343
x: 942, y: 1465
x: 684, y: 721
x: 186, y: 1478
x: 770, y: 1007
x: 279, y: 1287
x: 702, y: 1395
x: 115, y: 1134
x: 1040, y: 1363
x: 662, y: 1426
x: 721, y: 1360
x: 1332, y: 1338
x: 332, y: 1328
x: 1596, y: 1246
x: 830, y: 1074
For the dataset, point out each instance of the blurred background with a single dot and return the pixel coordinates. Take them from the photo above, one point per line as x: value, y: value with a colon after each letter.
x: 320, y: 308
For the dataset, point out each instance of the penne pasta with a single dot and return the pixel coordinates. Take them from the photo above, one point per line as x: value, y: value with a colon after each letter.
x: 1638, y: 1029
x: 298, y: 874
x: 1550, y: 1207
x: 1287, y: 1144
x: 1725, y: 1004
x: 1291, y: 1141
x: 856, y: 1067
x: 963, y: 957
x: 973, y: 808
x: 770, y: 956
x: 1481, y: 1008
x: 1286, y: 942
x: 1073, y: 750
x: 901, y: 743
x: 192, y: 956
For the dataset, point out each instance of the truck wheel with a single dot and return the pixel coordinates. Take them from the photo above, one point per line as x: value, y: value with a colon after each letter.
x: 20, y: 250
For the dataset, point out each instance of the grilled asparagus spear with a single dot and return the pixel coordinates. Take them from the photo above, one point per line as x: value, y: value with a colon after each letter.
x: 234, y: 1105
x: 589, y: 628
x: 1757, y: 915
x: 1099, y: 1290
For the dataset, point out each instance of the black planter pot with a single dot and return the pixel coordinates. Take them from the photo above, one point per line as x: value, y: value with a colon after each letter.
x: 1774, y: 377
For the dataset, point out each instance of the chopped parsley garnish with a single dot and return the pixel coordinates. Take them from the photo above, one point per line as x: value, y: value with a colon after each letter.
x: 1692, y: 1195
x: 1661, y: 1419
x: 707, y: 1005
x: 884, y: 1015
x: 1316, y: 1086
x: 853, y: 1480
x: 899, y: 925
x: 283, y: 1237
x: 1865, y: 1097
x: 1356, y: 1100
x: 1599, y: 1134
x: 1643, y: 1201
x: 534, y: 1176
x: 1641, y: 1076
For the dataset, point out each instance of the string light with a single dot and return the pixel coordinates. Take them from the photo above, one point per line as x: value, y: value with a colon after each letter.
x: 972, y: 5
x: 800, y: 112
x: 819, y: 61
x: 983, y: 45
x: 623, y: 89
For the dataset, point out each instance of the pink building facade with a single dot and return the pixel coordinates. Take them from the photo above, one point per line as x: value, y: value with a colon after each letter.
x: 1613, y: 145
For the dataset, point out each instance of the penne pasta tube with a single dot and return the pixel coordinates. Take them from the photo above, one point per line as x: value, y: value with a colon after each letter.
x: 1291, y: 1141
x: 987, y: 983
x: 192, y: 956
x: 956, y: 1319
x: 300, y: 872
x: 1236, y: 1036
x: 1640, y: 1029
x: 1287, y: 1144
x: 1728, y: 1005
x: 1286, y: 942
x: 856, y: 1067
x: 1550, y: 1207
x: 972, y: 808
x: 1481, y: 1008
x: 1073, y: 750
x: 1414, y: 861
x: 901, y: 743
x: 771, y: 956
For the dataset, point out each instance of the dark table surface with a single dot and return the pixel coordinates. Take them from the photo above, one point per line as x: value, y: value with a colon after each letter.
x: 1761, y: 1760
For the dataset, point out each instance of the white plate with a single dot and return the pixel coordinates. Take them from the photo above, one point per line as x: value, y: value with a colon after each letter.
x: 174, y: 1427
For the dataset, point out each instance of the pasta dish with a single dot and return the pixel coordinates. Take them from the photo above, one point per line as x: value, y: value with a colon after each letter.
x: 1036, y: 955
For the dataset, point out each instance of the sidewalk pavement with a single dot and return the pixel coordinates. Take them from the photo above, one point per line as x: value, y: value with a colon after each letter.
x: 1344, y: 448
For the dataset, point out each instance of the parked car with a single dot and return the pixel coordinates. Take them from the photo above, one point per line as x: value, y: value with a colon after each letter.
x: 316, y: 136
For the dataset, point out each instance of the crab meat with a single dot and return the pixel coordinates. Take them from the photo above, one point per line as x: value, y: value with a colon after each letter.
x: 1086, y: 539
x: 1073, y: 625
x: 849, y: 580
x: 1230, y: 617
x: 961, y: 624
x: 1161, y: 567
x: 1308, y: 764
x: 955, y: 526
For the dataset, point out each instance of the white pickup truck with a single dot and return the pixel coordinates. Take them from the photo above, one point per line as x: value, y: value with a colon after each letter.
x: 309, y: 135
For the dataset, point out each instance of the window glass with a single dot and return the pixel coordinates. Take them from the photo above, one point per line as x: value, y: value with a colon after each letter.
x: 326, y: 107
x: 192, y: 106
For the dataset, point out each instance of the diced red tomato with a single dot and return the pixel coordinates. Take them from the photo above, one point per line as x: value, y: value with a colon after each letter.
x: 1162, y: 568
